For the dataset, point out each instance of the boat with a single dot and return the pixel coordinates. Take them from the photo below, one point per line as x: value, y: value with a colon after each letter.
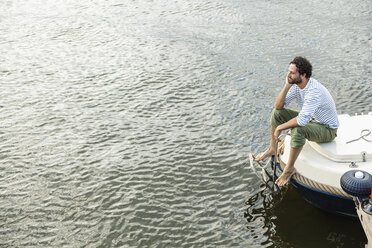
x: 320, y: 166
x: 335, y: 176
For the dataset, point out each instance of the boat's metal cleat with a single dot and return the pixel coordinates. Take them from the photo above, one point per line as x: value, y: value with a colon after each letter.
x: 364, y: 156
x: 353, y: 165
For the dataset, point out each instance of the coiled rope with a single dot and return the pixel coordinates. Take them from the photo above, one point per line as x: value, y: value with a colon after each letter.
x: 363, y: 134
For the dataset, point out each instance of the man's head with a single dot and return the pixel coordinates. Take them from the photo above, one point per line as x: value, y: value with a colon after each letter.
x: 299, y: 70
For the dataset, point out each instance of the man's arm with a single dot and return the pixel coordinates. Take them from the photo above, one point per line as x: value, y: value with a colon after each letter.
x: 289, y: 124
x: 280, y: 99
x: 279, y: 104
x: 312, y: 101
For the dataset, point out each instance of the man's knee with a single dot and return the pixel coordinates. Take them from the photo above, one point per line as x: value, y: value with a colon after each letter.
x: 277, y: 117
x: 277, y: 112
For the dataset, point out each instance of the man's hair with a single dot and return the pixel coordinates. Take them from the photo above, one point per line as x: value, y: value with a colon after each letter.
x: 303, y: 66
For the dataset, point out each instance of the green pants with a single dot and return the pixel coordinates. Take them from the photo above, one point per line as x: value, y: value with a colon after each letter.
x: 311, y: 131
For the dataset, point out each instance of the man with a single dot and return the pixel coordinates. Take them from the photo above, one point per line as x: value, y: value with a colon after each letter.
x: 316, y: 121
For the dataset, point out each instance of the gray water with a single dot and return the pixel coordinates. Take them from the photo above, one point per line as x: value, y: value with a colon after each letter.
x: 129, y: 123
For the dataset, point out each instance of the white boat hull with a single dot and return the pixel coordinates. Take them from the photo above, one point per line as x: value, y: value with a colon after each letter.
x: 320, y: 166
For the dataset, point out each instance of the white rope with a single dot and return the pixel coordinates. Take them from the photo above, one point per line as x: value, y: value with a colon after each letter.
x: 316, y: 185
x: 363, y: 134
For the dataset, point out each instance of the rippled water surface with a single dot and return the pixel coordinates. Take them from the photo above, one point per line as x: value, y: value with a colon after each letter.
x: 129, y: 123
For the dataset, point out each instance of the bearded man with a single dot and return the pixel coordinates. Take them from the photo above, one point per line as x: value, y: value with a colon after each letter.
x: 316, y: 121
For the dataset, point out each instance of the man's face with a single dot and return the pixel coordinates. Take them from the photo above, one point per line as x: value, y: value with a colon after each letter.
x: 293, y: 75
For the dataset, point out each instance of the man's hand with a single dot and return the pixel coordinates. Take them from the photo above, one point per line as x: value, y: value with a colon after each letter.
x: 289, y: 124
x: 287, y: 83
x: 280, y: 99
x: 277, y: 133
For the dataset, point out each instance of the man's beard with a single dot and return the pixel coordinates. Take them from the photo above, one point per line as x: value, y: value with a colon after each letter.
x: 296, y: 81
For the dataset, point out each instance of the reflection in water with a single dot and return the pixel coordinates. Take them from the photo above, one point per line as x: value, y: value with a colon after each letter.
x: 288, y: 224
x: 258, y: 215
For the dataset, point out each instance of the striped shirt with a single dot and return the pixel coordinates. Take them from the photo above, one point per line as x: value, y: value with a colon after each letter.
x: 316, y: 104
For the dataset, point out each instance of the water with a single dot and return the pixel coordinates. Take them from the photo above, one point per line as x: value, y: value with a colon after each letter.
x: 129, y: 123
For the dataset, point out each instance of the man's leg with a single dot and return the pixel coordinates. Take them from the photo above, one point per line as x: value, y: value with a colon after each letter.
x: 269, y: 151
x: 278, y: 116
x: 311, y: 131
x: 289, y: 169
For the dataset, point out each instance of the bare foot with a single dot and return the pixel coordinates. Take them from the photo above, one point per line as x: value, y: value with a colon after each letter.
x: 285, y: 177
x: 261, y: 156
